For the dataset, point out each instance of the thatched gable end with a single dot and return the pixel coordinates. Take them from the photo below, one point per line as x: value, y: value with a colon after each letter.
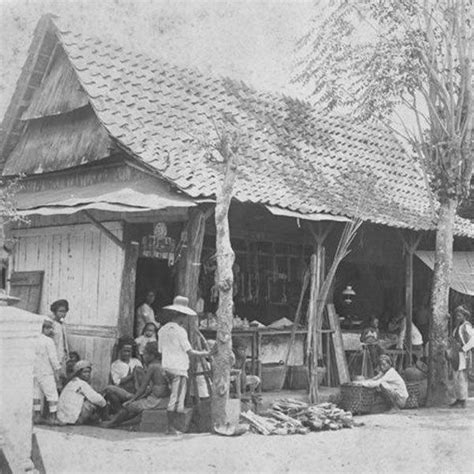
x: 60, y: 92
x: 58, y: 142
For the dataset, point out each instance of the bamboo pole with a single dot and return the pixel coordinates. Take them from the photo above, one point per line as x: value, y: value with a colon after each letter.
x: 297, y: 319
x: 410, y: 244
x: 312, y: 332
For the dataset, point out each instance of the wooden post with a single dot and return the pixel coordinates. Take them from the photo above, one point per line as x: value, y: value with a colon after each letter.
x: 410, y: 243
x: 189, y: 268
x: 312, y: 333
x: 189, y: 264
x: 127, y: 293
x: 409, y: 299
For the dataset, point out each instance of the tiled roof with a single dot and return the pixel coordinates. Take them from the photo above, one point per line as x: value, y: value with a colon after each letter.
x: 294, y: 157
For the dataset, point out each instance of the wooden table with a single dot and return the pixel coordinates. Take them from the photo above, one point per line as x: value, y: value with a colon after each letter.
x: 256, y: 337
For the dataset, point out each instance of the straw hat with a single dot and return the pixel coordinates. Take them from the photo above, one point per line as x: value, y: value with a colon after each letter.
x: 181, y: 305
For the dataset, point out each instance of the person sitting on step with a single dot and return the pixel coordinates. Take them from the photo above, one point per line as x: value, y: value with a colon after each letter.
x: 79, y: 403
x: 126, y: 373
x: 151, y: 395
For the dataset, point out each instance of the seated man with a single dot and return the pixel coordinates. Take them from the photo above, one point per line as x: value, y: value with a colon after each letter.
x: 126, y: 373
x: 152, y: 393
x: 389, y: 382
x: 247, y: 382
x: 79, y: 403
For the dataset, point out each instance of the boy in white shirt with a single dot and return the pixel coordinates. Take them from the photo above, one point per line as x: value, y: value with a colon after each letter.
x: 46, y: 371
x: 173, y: 344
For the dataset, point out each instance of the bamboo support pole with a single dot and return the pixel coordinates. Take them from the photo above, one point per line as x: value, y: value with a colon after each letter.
x: 297, y: 320
x: 410, y: 244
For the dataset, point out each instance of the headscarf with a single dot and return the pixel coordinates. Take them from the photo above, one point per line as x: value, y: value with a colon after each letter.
x: 80, y: 365
x: 387, y: 358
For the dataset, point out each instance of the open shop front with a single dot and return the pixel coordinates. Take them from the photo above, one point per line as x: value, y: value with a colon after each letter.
x: 272, y: 254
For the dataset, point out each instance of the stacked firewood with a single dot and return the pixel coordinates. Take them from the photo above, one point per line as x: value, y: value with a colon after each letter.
x: 289, y: 416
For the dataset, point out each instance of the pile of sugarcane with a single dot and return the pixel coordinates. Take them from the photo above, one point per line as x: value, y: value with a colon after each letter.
x: 289, y: 416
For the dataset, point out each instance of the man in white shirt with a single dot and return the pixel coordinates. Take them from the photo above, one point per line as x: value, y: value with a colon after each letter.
x: 45, y: 372
x: 126, y: 373
x: 174, y: 345
x: 79, y: 402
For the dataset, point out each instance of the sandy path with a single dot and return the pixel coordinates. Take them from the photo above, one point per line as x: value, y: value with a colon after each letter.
x: 412, y: 441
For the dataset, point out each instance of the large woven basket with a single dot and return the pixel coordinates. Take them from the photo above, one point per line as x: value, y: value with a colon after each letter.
x: 357, y: 398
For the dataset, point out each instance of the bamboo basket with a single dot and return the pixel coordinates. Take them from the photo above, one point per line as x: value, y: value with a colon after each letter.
x: 357, y: 398
x: 414, y: 394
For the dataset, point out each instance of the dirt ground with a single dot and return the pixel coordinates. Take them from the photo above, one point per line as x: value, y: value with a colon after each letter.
x: 424, y: 440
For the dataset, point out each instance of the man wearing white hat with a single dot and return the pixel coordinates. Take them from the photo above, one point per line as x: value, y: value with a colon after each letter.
x: 174, y: 345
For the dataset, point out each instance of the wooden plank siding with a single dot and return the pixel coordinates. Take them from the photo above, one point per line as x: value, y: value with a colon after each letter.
x: 80, y: 264
x: 84, y: 266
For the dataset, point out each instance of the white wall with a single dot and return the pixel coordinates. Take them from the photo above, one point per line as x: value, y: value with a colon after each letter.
x: 80, y: 264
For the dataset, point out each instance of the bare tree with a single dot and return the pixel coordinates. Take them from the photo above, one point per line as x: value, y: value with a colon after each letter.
x: 387, y: 61
x: 225, y: 150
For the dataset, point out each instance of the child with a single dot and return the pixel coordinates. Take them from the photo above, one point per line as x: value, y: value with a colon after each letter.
x: 73, y: 358
x: 79, y: 403
x: 175, y: 348
x: 59, y: 310
x: 46, y: 372
x: 250, y: 382
x: 370, y: 335
x: 150, y: 334
x: 152, y: 393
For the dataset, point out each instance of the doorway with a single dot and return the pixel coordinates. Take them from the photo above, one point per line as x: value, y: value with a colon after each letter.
x: 154, y: 274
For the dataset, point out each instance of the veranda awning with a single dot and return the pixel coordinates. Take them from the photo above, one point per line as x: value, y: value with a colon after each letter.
x: 139, y: 195
x: 462, y: 279
x: 313, y: 216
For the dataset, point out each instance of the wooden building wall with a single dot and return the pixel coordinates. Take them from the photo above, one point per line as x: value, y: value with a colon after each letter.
x: 82, y: 265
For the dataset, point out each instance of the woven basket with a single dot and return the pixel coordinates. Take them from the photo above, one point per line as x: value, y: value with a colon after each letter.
x: 414, y: 394
x: 356, y: 398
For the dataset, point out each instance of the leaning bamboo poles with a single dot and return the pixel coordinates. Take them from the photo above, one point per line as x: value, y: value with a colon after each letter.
x: 319, y: 292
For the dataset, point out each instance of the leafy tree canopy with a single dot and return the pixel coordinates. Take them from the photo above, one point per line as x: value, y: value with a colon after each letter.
x: 376, y: 58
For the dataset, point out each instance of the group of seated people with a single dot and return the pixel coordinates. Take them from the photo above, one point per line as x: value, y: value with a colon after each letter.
x: 150, y: 372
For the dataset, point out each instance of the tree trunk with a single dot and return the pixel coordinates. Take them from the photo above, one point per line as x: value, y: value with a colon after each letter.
x: 189, y: 265
x: 438, y: 367
x: 224, y: 281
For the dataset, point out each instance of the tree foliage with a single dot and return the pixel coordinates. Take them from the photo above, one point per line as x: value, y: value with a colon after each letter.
x: 379, y: 59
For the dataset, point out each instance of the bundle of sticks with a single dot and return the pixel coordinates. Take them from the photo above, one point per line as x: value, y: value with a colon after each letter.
x: 274, y: 425
x: 289, y: 416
